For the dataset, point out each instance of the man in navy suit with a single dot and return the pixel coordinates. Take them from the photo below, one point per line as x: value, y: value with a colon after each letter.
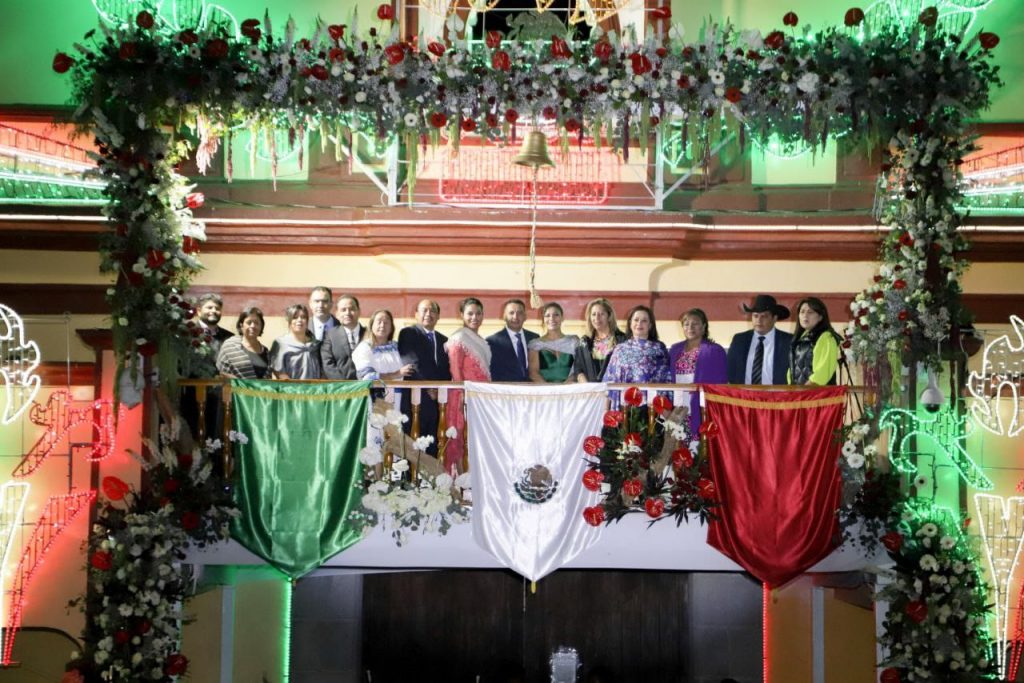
x: 508, y: 347
x: 424, y: 348
x: 336, y: 349
x: 761, y: 355
x: 320, y: 301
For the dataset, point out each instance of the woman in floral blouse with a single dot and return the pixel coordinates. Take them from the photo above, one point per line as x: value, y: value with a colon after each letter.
x: 697, y: 360
x: 641, y: 359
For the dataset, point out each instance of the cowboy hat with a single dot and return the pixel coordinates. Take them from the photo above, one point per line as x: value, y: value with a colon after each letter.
x: 763, y: 303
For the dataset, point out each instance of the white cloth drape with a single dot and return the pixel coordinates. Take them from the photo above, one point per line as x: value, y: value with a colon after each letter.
x: 513, y: 429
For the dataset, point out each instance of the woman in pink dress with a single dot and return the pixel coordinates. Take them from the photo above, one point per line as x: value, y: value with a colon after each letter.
x: 470, y: 359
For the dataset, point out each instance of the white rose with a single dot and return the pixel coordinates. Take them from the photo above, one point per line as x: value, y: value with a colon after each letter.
x: 360, y: 96
x: 370, y: 456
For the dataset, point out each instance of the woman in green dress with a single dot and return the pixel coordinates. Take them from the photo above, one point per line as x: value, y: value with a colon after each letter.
x: 552, y: 355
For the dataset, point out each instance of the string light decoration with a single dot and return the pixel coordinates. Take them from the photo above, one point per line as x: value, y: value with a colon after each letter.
x: 176, y: 14
x: 19, y: 360
x: 59, y: 513
x: 1001, y: 377
x: 59, y: 416
x: 945, y: 429
x: 13, y: 496
x: 1002, y: 533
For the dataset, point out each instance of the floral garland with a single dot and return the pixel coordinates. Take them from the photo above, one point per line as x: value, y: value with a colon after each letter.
x: 630, y: 471
x: 391, y: 499
x: 136, y: 579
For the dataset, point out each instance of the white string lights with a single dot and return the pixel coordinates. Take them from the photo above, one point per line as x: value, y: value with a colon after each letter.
x: 19, y: 360
x: 1002, y: 533
x: 1000, y: 381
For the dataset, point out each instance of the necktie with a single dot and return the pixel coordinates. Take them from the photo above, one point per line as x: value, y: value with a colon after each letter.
x: 520, y: 353
x: 755, y: 372
x: 433, y: 343
x: 351, y: 338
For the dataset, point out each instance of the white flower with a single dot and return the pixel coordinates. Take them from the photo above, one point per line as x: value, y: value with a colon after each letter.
x: 947, y: 542
x: 379, y: 487
x: 238, y: 437
x: 400, y: 465
x: 717, y: 77
x: 929, y: 563
x: 213, y: 445
x: 464, y: 481
x: 855, y: 460
x: 423, y: 443
x: 808, y: 82
x: 370, y: 456
x: 849, y: 448
x: 451, y: 432
x: 929, y: 529
x: 348, y: 77
x: 395, y: 417
x: 443, y: 481
x: 193, y: 51
x: 360, y: 97
x: 923, y: 481
x: 411, y: 120
x: 378, y: 421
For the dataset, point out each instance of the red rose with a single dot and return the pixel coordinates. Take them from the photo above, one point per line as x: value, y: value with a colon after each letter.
x: 122, y: 636
x: 62, y: 62
x: 775, y: 40
x: 177, y: 664
x: 633, y: 396
x: 734, y: 95
x: 706, y: 489
x: 101, y: 560
x: 188, y: 37
x: 592, y: 480
x: 386, y: 12
x: 655, y: 507
x: 468, y: 125
x: 603, y: 51
x: 613, y: 418
x: 683, y: 82
x: 336, y: 55
x: 634, y: 439
x: 790, y: 19
x: 560, y: 48
x: 662, y: 13
x: 899, y: 284
x: 928, y: 16
x: 436, y: 48
x: 336, y: 31
x: 190, y: 520
x: 853, y: 16
x: 171, y: 485
x: 394, y: 53
x: 511, y: 115
x: 500, y: 61
x: 217, y: 48
x: 115, y: 488
x: 682, y: 457
x: 661, y: 404
x: 189, y: 245
x: 632, y: 487
x: 988, y: 40
x: 640, y: 63
x: 127, y: 50
x: 592, y: 445
x: 917, y: 610
x: 594, y: 516
x: 572, y: 126
x: 893, y: 541
x: 155, y: 258
x: 438, y: 119
x: 491, y: 120
x: 319, y: 72
x: 144, y: 20
x: 890, y: 675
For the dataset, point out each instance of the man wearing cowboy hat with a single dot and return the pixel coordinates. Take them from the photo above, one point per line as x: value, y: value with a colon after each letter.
x: 761, y: 355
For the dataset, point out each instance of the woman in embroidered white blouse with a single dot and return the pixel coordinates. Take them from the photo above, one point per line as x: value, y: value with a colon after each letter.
x: 377, y: 357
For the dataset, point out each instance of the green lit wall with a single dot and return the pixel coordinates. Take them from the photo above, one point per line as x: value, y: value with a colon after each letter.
x: 34, y: 31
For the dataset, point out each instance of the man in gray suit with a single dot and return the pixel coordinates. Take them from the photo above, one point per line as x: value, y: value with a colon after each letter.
x: 336, y: 350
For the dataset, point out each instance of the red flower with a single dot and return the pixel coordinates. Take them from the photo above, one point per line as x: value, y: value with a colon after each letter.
x: 190, y: 245
x: 491, y: 120
x: 683, y: 82
x: 655, y: 507
x: 171, y: 485
x: 603, y: 51
x: 148, y: 349
x: 155, y: 258
x: 560, y: 48
x: 640, y: 63
x: 906, y: 240
x: 438, y: 119
x: 592, y: 445
x: 121, y: 636
x: 634, y: 439
x: 613, y: 418
x: 127, y: 50
x: 572, y: 125
x: 144, y: 20
x: 682, y: 457
x: 893, y: 541
x: 336, y: 55
x: 250, y: 28
x: 468, y: 125
x: 386, y: 12
x: 633, y: 396
x: 988, y: 40
x: 890, y: 675
x: 734, y: 95
x: 177, y: 663
x: 115, y: 488
x: 394, y: 53
x: 775, y: 40
x: 511, y: 115
x: 662, y: 13
x: 185, y: 461
x: 899, y: 284
x: 853, y: 16
x: 790, y: 19
x: 917, y: 610
x: 493, y: 39
x: 62, y: 62
x: 500, y: 61
x: 336, y: 31
x: 436, y: 48
x: 592, y: 480
x: 188, y: 37
x: 319, y: 72
x: 928, y: 16
x: 217, y: 48
x: 304, y: 45
x: 594, y: 516
x: 903, y: 315
x: 102, y: 560
x: 632, y: 487
x: 190, y: 520
x: 708, y: 429
x: 142, y: 628
x: 661, y: 404
x: 706, y: 489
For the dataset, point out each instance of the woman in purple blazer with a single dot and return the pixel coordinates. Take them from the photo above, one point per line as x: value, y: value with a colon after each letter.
x: 697, y: 360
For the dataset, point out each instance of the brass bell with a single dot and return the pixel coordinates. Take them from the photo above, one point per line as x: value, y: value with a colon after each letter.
x: 534, y: 152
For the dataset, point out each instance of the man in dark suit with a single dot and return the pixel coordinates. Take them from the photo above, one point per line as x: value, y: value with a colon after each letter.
x: 761, y: 355
x: 339, y: 342
x: 509, y: 347
x: 424, y: 348
x: 320, y: 301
